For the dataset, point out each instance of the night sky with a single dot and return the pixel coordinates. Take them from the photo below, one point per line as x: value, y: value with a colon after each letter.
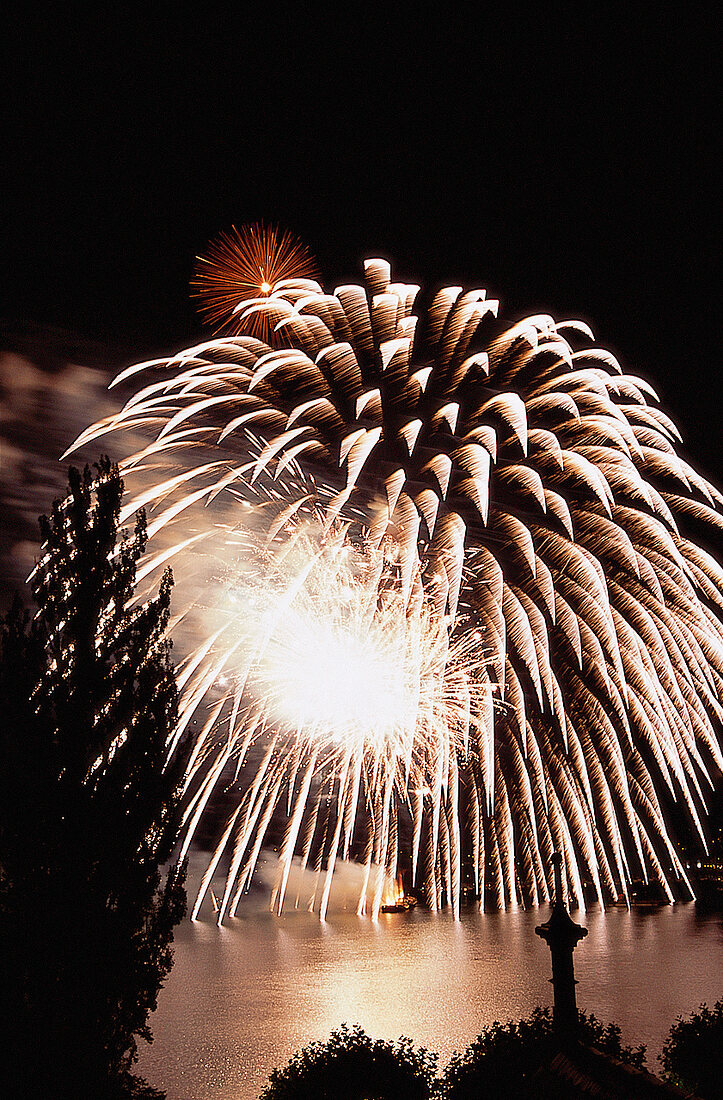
x: 563, y: 161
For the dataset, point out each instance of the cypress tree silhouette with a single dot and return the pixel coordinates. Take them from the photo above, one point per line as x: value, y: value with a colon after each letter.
x: 88, y: 807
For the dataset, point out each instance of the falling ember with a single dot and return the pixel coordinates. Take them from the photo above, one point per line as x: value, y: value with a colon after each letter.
x: 245, y: 264
x: 446, y: 617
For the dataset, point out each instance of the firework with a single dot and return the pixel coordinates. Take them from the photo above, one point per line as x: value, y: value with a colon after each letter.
x: 450, y: 620
x: 243, y: 265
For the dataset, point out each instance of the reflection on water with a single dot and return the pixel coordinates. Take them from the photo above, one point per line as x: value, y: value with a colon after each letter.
x: 241, y: 999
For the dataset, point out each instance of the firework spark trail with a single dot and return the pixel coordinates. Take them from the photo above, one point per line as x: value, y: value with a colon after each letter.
x: 430, y: 513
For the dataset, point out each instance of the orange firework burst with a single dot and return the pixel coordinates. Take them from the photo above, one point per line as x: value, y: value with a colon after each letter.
x: 244, y: 266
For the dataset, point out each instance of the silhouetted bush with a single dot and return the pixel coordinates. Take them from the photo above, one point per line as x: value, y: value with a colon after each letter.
x: 351, y: 1066
x: 693, y: 1053
x: 503, y: 1059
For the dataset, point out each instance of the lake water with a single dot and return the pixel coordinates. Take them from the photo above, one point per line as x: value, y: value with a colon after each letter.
x: 241, y: 999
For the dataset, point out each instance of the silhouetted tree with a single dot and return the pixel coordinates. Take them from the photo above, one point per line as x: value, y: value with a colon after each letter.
x: 693, y: 1053
x: 504, y: 1058
x: 353, y: 1066
x: 88, y: 806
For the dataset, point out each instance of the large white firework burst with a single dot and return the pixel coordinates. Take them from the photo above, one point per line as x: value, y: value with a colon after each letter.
x: 449, y: 618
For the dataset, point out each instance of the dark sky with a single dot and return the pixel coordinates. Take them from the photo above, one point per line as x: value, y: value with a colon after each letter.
x: 564, y: 161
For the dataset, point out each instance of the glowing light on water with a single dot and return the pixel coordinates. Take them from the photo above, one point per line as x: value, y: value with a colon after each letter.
x: 390, y: 524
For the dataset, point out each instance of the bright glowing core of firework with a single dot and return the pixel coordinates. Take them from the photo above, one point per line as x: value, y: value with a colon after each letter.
x: 332, y: 660
x: 339, y: 681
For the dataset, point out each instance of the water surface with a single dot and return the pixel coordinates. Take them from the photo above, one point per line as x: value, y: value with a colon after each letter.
x: 241, y: 999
